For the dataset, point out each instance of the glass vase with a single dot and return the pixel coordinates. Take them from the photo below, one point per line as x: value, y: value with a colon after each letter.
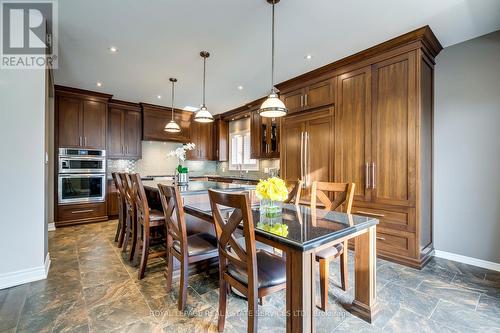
x: 270, y: 211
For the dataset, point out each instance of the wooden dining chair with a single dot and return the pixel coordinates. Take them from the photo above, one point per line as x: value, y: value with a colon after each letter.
x: 254, y: 273
x: 130, y: 234
x: 187, y: 249
x: 343, y: 196
x: 294, y: 190
x: 122, y: 209
x: 149, y: 221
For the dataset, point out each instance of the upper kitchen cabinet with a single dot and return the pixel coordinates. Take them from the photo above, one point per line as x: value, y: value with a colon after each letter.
x: 202, y: 137
x: 310, y: 95
x: 124, y: 130
x: 155, y: 118
x: 264, y: 134
x: 221, y: 140
x: 81, y: 117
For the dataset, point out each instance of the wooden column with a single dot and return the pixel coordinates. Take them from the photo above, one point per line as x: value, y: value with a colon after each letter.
x: 300, y: 291
x: 365, y: 304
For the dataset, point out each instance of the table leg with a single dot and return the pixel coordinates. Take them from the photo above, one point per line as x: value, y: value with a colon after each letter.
x: 365, y: 302
x: 300, y: 291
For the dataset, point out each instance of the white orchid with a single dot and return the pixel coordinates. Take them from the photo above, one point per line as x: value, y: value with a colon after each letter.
x: 180, y: 152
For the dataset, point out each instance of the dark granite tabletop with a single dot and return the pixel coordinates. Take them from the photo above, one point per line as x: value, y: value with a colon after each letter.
x: 306, y: 228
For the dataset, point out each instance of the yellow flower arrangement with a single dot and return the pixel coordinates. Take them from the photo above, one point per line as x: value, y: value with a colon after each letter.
x: 273, y: 189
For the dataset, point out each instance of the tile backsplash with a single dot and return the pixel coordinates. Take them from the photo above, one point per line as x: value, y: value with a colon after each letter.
x: 155, y: 162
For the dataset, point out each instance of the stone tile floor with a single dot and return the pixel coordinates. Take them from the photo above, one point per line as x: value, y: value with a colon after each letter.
x: 92, y: 288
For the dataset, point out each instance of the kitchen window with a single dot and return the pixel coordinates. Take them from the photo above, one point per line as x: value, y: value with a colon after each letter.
x: 239, y: 146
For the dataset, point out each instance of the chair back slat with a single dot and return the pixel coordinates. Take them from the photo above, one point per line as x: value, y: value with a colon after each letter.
x: 343, y: 195
x: 141, y: 200
x: 173, y: 210
x: 294, y: 190
x: 229, y: 248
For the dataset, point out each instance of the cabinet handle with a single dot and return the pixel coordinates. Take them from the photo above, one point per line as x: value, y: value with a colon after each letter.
x: 85, y: 140
x: 305, y: 98
x: 82, y: 211
x: 302, y: 156
x: 380, y: 238
x: 369, y: 213
x: 367, y: 175
x: 301, y: 100
x: 80, y: 141
x: 373, y: 175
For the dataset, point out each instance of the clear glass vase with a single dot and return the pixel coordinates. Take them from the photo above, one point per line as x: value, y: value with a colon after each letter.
x: 270, y: 211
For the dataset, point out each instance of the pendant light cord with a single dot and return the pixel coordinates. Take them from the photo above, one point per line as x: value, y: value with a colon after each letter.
x: 272, y: 50
x: 204, y: 73
x: 173, y: 84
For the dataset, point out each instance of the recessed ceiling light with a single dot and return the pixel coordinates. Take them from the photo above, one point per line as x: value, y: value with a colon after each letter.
x: 99, y: 84
x: 308, y: 57
x: 190, y: 108
x: 240, y: 87
x: 159, y: 96
x: 113, y: 49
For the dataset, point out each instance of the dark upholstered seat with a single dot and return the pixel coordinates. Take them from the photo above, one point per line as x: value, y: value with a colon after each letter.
x: 330, y: 252
x: 271, y: 270
x: 198, y: 244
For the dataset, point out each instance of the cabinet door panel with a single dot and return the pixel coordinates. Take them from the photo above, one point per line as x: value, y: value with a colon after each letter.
x: 320, y: 149
x: 393, y: 130
x: 319, y: 94
x: 205, y: 141
x: 255, y: 135
x: 291, y: 149
x: 69, y: 122
x: 94, y: 124
x: 132, y: 134
x: 352, y: 131
x: 293, y: 100
x: 115, y: 133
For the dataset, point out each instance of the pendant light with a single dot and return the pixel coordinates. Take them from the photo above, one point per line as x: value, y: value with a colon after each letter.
x: 273, y: 107
x: 172, y: 126
x: 203, y: 115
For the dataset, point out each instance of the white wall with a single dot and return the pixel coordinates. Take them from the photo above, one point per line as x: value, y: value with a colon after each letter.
x: 22, y: 206
x: 467, y: 149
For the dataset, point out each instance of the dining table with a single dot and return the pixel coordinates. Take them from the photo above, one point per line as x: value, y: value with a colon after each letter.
x: 307, y: 231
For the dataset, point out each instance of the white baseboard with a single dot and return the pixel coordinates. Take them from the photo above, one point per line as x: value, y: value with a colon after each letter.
x: 12, y: 279
x: 52, y: 226
x: 468, y: 260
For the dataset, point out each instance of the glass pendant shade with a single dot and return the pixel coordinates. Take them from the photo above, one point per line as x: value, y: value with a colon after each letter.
x: 172, y: 127
x: 273, y: 107
x: 203, y: 116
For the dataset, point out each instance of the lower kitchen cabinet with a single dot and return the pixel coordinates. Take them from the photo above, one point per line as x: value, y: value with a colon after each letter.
x: 81, y: 213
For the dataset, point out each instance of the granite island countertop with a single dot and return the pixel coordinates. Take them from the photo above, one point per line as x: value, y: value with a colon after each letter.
x: 198, y: 187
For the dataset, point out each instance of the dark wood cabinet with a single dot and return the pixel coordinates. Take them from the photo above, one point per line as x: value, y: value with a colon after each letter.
x: 155, y: 118
x: 311, y: 95
x: 307, y: 147
x: 81, y: 118
x: 382, y: 137
x: 202, y: 137
x: 221, y: 140
x: 124, y: 130
x: 264, y: 136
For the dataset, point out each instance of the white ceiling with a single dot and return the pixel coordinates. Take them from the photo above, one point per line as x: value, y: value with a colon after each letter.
x: 160, y: 39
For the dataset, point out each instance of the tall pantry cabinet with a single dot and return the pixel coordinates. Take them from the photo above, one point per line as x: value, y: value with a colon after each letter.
x: 381, y: 139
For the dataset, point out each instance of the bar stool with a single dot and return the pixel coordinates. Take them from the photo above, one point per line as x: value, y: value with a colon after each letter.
x: 122, y: 209
x: 148, y: 221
